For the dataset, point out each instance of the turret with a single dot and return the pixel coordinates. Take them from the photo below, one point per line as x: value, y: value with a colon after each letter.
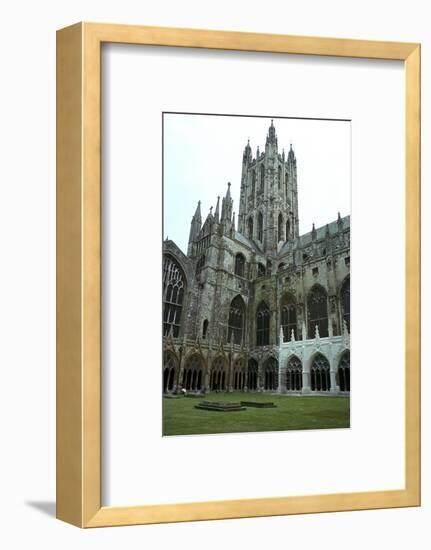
x: 195, y: 227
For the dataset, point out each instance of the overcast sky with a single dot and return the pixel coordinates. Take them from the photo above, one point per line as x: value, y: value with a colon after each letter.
x: 203, y: 152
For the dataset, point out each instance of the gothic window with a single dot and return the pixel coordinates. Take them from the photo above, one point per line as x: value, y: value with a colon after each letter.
x: 279, y: 177
x: 262, y: 178
x: 174, y: 285
x: 345, y: 301
x: 205, y: 329
x: 294, y: 374
x: 193, y: 373
x: 280, y: 227
x: 281, y: 266
x: 288, y: 317
x: 239, y: 265
x: 270, y: 370
x: 250, y: 227
x: 262, y: 325
x: 320, y: 377
x: 344, y: 372
x: 253, y: 183
x: 261, y: 270
x: 236, y: 320
x: 200, y: 264
x: 317, y: 307
x: 260, y: 227
x: 253, y: 371
x: 239, y: 373
x: 218, y: 377
x: 287, y: 229
x: 169, y: 371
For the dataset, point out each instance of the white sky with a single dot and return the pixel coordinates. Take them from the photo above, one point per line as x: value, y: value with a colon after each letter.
x: 203, y: 152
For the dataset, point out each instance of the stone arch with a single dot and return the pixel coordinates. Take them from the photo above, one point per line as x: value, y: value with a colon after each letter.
x: 240, y: 264
x: 287, y: 229
x: 294, y: 373
x: 260, y: 226
x: 253, y: 374
x: 193, y: 374
x: 288, y: 316
x: 262, y: 178
x: 174, y: 289
x: 344, y: 296
x: 320, y: 377
x: 343, y: 371
x: 236, y: 321
x: 263, y: 322
x: 280, y: 227
x: 239, y: 374
x: 270, y: 374
x: 250, y: 227
x: 170, y: 371
x: 317, y: 311
x: 218, y: 378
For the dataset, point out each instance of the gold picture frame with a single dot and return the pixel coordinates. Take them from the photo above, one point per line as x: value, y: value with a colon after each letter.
x: 79, y: 274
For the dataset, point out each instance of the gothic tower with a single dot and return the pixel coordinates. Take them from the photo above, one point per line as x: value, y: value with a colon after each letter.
x: 268, y: 211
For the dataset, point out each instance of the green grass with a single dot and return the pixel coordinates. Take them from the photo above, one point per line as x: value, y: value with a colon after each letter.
x: 291, y: 413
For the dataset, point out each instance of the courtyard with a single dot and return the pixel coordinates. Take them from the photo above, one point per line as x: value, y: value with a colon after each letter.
x: 180, y: 417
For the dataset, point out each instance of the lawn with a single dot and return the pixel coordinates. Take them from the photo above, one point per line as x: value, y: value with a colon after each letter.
x: 291, y: 413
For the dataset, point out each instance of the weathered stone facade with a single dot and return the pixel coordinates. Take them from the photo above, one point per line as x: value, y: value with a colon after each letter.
x: 260, y: 307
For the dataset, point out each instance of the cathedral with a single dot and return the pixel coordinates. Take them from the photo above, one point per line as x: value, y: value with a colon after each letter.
x: 254, y: 306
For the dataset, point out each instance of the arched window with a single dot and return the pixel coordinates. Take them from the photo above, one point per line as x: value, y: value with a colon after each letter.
x: 262, y: 325
x: 344, y: 372
x: 280, y: 227
x: 193, y: 373
x: 317, y: 307
x: 236, y: 320
x: 270, y: 370
x: 169, y: 371
x: 279, y: 177
x: 262, y: 178
x: 205, y: 329
x: 253, y: 381
x: 218, y: 377
x: 281, y: 266
x: 288, y: 317
x: 253, y: 183
x: 261, y: 270
x: 239, y: 373
x: 260, y: 227
x: 239, y: 265
x: 250, y: 227
x: 287, y: 229
x: 345, y: 301
x: 200, y: 264
x: 174, y: 285
x: 294, y: 374
x: 320, y: 377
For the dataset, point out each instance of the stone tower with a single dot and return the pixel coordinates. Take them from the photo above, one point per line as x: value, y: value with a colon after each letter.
x: 268, y: 211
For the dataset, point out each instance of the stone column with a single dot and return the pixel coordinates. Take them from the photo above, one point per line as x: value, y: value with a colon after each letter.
x: 306, y: 379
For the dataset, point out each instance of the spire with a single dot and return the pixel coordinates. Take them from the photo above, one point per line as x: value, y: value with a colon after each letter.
x: 313, y: 232
x: 247, y: 153
x: 228, y: 190
x: 272, y: 136
x: 217, y: 211
x: 226, y: 205
x: 291, y: 156
x: 195, y: 226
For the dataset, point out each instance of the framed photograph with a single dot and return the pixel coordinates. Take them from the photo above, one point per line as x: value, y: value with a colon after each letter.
x: 238, y: 275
